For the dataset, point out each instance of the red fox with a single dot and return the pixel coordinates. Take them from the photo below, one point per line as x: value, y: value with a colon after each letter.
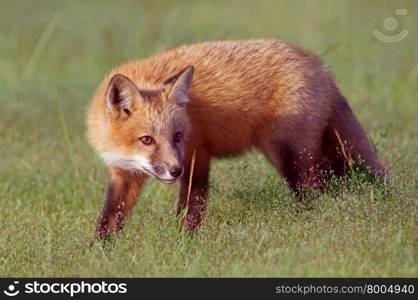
x: 150, y: 117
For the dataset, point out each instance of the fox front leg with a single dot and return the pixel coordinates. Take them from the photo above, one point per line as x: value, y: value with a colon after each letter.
x: 122, y: 192
x: 194, y: 189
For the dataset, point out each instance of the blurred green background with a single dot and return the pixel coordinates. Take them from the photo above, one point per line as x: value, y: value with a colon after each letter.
x: 53, y: 54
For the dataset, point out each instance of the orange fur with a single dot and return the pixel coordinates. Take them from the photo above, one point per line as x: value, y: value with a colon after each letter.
x: 256, y: 93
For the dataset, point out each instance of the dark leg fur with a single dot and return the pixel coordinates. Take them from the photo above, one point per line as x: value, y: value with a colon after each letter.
x: 195, y: 205
x: 345, y: 144
x: 306, y: 154
x: 121, y: 196
x: 300, y: 167
x: 299, y: 163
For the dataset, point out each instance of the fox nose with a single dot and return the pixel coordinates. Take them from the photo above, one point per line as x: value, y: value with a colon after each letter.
x: 176, y: 171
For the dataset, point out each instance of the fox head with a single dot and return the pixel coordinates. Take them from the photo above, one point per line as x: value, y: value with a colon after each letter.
x: 143, y: 129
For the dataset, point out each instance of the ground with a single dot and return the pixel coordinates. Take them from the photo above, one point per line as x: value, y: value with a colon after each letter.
x: 53, y: 54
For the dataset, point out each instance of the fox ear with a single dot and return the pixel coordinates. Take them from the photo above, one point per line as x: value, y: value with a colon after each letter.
x: 120, y: 96
x: 180, y: 85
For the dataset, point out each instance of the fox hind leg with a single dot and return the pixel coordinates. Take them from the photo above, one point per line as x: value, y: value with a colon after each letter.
x: 299, y: 164
x: 345, y: 143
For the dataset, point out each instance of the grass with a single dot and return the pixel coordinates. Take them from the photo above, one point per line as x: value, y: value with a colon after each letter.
x: 53, y: 54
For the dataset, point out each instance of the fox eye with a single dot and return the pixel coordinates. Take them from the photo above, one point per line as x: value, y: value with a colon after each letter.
x: 177, y: 137
x: 147, y: 140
